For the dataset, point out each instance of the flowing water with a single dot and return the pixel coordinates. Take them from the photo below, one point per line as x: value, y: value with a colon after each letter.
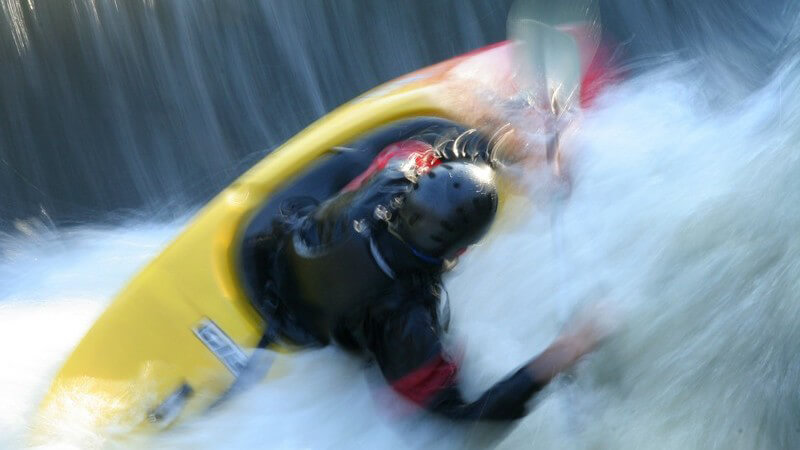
x: 682, y: 217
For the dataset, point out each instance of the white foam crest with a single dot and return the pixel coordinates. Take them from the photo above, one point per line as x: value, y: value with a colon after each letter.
x: 687, y: 218
x: 53, y: 285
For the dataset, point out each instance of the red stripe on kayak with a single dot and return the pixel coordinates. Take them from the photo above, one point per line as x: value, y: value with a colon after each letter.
x: 598, y: 76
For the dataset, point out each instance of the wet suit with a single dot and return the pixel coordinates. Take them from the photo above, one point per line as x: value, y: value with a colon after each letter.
x: 333, y: 270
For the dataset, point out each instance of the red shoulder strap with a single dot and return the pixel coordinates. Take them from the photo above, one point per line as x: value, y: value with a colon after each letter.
x: 420, y: 152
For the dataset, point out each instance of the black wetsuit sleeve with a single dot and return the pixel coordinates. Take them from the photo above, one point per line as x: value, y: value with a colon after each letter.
x: 406, y: 344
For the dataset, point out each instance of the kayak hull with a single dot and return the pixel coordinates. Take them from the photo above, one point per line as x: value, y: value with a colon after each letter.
x: 174, y: 339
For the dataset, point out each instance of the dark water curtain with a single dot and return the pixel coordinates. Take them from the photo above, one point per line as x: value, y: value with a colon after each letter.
x: 151, y: 106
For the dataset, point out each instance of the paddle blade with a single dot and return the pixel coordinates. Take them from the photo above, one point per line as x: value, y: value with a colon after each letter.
x: 555, y: 41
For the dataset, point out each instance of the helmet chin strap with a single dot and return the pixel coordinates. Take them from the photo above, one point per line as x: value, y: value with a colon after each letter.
x: 387, y: 269
x: 418, y: 253
x: 425, y: 257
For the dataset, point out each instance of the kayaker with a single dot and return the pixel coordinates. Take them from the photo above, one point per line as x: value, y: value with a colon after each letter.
x: 364, y: 269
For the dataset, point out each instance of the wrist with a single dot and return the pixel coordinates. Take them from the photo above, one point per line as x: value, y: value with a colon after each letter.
x: 558, y: 357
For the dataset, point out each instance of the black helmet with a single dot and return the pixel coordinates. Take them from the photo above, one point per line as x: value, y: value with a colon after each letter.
x: 449, y: 208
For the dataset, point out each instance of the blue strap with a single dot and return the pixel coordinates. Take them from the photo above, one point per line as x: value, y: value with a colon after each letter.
x: 425, y: 257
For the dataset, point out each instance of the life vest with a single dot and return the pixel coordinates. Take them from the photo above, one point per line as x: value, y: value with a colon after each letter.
x: 336, y: 258
x: 339, y: 276
x: 334, y: 262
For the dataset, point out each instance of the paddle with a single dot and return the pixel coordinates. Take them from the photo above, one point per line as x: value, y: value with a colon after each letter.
x: 548, y: 57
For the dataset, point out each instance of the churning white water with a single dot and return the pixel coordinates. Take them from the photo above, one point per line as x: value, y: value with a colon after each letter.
x: 683, y: 217
x: 53, y: 285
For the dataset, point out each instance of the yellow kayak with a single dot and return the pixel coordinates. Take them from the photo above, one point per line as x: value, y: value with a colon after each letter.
x: 176, y: 338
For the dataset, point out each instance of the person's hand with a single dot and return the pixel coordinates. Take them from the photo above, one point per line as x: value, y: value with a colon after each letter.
x: 586, y: 331
x: 591, y: 326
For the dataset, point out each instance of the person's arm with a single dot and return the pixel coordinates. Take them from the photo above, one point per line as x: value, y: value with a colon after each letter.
x: 406, y: 344
x: 562, y: 354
